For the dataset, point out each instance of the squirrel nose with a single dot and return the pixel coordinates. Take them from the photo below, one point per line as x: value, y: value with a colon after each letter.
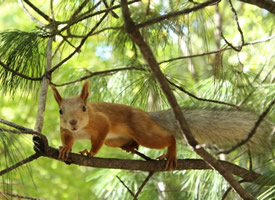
x: 73, y: 122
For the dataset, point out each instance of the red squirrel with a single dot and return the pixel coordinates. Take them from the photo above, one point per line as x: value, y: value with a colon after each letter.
x: 114, y: 125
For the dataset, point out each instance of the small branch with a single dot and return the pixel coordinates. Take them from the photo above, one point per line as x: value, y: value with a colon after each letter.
x: 217, y: 51
x: 6, y: 67
x: 30, y: 15
x: 77, y: 49
x: 177, y: 13
x: 22, y: 162
x: 96, y: 13
x: 112, y: 12
x: 129, y: 190
x: 46, y: 17
x: 19, y: 197
x: 24, y: 130
x: 239, y: 29
x: 20, y: 131
x: 105, y: 72
x: 252, y: 132
x: 142, y: 155
x: 202, y: 99
x: 16, y: 126
x: 143, y: 184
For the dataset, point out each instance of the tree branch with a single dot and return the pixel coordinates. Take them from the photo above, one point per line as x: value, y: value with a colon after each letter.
x: 151, y: 165
x: 6, y: 67
x: 177, y: 13
x: 143, y: 184
x: 25, y: 161
x: 105, y: 72
x: 77, y: 49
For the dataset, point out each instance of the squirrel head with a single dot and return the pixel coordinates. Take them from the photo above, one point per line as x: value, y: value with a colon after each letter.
x: 73, y: 111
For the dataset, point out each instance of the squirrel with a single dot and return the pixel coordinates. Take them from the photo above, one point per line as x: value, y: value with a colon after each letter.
x: 118, y: 125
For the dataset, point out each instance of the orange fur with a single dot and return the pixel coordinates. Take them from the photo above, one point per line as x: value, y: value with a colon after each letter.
x: 114, y: 125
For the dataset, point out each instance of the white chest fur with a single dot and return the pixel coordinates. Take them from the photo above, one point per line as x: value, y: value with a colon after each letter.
x: 81, y: 135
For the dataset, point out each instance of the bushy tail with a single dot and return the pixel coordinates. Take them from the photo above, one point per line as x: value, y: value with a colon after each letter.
x: 220, y: 128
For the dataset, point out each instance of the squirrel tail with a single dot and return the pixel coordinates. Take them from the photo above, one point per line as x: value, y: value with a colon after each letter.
x: 220, y: 128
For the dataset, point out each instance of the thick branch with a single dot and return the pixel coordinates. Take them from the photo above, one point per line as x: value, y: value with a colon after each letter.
x: 152, y: 165
x: 268, y: 5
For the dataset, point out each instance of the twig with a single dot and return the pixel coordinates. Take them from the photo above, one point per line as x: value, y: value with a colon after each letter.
x: 177, y: 13
x: 112, y: 12
x: 22, y: 162
x: 30, y: 15
x: 19, y: 197
x: 20, y: 131
x: 143, y: 184
x: 201, y: 99
x: 77, y: 49
x: 148, y: 55
x: 142, y: 155
x: 252, y: 132
x: 6, y: 67
x: 25, y: 131
x: 217, y: 51
x: 46, y: 17
x: 96, y: 13
x: 129, y: 190
x: 105, y: 72
x: 77, y: 11
x: 16, y: 126
x: 239, y: 29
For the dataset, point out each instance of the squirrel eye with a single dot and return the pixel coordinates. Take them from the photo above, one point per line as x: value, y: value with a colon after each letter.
x: 60, y: 111
x: 84, y: 108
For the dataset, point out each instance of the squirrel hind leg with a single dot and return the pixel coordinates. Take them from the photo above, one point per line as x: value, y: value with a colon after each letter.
x: 171, y: 162
x: 171, y: 156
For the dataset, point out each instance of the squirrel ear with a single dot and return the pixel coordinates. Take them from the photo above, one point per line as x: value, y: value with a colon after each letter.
x: 56, y: 94
x: 85, y: 92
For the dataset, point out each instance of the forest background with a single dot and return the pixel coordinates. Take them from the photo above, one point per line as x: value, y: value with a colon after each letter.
x: 222, y: 51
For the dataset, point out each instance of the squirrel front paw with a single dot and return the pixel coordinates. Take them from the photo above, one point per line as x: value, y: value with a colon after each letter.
x: 64, y: 152
x: 87, y: 153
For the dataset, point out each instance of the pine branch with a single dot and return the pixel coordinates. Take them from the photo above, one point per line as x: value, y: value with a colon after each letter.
x: 202, y: 99
x: 99, y: 73
x: 177, y: 13
x: 143, y: 184
x: 23, y: 162
x: 77, y: 49
x: 30, y: 15
x: 6, y: 67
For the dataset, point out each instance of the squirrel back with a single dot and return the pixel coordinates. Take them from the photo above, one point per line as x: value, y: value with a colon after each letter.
x: 219, y: 127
